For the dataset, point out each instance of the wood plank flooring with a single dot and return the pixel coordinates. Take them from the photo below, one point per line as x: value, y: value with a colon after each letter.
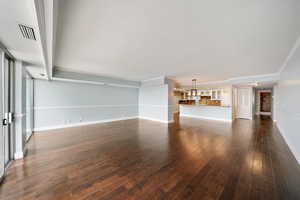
x: 140, y: 159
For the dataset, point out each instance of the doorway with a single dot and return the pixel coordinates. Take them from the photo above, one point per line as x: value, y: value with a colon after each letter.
x: 7, y: 105
x: 263, y: 101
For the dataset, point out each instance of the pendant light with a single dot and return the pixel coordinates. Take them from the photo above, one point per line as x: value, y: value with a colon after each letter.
x: 194, y: 89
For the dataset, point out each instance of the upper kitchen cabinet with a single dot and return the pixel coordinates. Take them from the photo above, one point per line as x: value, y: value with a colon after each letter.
x: 216, y: 94
x: 205, y: 92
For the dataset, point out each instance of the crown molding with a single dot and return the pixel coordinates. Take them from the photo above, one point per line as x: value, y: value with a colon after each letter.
x: 289, y: 56
x: 243, y: 79
x: 156, y: 78
x: 75, y: 77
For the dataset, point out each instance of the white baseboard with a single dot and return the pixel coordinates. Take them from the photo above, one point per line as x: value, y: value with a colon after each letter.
x: 19, y: 155
x: 292, y: 148
x: 156, y: 120
x: 96, y: 122
x: 209, y: 118
x: 82, y: 124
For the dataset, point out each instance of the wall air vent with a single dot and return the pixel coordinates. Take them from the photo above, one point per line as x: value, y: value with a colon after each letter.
x: 27, y: 32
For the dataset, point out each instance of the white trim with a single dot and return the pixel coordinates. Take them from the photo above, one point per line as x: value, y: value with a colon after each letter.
x: 121, y: 85
x: 264, y: 91
x: 28, y: 130
x: 289, y: 56
x: 243, y: 79
x: 82, y: 124
x: 265, y: 113
x: 153, y: 105
x: 50, y: 27
x: 28, y: 135
x: 272, y: 75
x: 20, y: 115
x: 77, y: 81
x: 97, y: 122
x: 39, y: 9
x: 151, y: 79
x: 209, y: 118
x: 292, y: 148
x: 156, y: 120
x: 81, y: 106
x: 92, y: 82
x: 18, y: 155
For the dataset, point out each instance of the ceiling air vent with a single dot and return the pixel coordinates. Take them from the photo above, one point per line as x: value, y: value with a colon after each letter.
x: 27, y: 32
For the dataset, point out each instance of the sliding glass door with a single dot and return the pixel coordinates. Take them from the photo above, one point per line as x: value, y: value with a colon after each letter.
x: 2, y: 166
x: 6, y: 137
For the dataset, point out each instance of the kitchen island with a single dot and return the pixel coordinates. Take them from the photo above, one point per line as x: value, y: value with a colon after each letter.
x: 222, y: 113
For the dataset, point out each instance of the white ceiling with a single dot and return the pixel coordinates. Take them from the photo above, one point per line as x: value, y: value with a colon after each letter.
x: 207, y: 39
x: 141, y: 39
x: 12, y: 13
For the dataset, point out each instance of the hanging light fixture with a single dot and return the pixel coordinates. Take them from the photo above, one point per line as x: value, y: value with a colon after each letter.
x: 194, y: 89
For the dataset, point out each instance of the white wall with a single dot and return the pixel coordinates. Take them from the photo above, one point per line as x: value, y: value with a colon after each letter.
x: 20, y: 109
x: 275, y: 102
x: 153, y: 102
x: 62, y: 104
x: 287, y: 103
x: 173, y: 101
x: 29, y: 107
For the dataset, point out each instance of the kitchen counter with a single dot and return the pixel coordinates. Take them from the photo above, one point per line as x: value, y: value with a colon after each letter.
x: 222, y: 113
x: 205, y: 105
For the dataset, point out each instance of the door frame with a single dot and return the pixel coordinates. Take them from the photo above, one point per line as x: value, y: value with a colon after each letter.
x: 4, y: 54
x: 2, y: 164
x: 258, y: 112
x: 12, y: 106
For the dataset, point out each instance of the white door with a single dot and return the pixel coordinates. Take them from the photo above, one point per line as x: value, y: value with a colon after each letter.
x: 244, y: 103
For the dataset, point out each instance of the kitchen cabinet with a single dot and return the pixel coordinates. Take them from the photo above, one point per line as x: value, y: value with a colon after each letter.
x: 216, y: 94
x: 204, y: 92
x: 221, y: 94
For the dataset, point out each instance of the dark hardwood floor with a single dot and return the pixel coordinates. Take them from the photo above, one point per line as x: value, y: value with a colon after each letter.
x: 140, y: 159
